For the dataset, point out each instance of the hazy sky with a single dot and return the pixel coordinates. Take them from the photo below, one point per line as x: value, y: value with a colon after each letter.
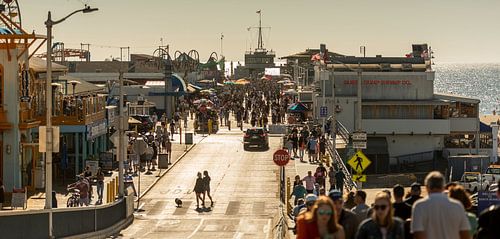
x: 457, y: 30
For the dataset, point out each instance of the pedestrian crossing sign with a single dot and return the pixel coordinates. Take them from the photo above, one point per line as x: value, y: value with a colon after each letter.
x: 359, y: 162
x: 359, y: 177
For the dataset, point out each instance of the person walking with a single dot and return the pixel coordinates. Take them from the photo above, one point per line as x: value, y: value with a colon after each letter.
x: 401, y: 209
x: 381, y: 224
x: 458, y: 192
x: 414, y: 194
x: 310, y: 180
x: 198, y: 189
x: 302, y: 146
x: 299, y: 191
x: 100, y: 185
x: 347, y: 219
x: 206, y: 184
x: 320, y: 222
x: 331, y: 178
x: 438, y: 216
x: 339, y: 177
x: 168, y: 148
x: 361, y: 209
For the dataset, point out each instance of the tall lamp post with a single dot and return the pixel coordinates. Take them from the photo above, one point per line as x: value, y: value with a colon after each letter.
x: 48, y: 155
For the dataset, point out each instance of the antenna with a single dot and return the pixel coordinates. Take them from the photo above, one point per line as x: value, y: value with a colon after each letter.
x: 260, y: 44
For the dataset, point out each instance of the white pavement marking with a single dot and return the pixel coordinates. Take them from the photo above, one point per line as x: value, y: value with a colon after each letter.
x: 267, y: 228
x: 197, y: 228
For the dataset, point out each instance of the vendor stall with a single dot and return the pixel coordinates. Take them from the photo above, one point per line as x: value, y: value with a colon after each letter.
x: 206, y: 118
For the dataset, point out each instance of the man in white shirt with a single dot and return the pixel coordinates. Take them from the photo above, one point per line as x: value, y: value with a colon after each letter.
x: 437, y: 216
x: 309, y: 180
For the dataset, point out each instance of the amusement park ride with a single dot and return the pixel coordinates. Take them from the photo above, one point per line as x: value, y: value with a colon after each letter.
x: 11, y: 32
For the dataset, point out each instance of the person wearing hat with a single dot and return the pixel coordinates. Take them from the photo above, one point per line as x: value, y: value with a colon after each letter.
x: 414, y: 194
x: 347, y: 219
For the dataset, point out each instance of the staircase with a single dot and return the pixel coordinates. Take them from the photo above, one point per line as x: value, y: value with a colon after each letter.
x: 341, y: 141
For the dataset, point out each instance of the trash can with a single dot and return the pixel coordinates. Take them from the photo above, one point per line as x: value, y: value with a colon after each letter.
x: 163, y: 161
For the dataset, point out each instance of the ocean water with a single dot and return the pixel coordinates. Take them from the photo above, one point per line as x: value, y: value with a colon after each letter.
x: 479, y: 81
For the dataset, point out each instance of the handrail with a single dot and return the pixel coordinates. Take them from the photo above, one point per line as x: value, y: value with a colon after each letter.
x: 349, y: 183
x: 342, y: 131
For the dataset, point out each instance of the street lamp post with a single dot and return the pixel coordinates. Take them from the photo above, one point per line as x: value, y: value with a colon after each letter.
x: 49, y: 142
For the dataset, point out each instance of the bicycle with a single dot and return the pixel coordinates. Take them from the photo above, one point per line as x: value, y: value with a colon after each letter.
x: 74, y: 199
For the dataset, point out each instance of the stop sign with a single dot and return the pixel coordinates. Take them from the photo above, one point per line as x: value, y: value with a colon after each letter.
x: 281, y: 157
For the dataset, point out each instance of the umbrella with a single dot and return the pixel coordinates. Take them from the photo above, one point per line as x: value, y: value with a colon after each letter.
x: 289, y: 84
x: 203, y: 101
x: 131, y: 120
x: 283, y: 81
x: 242, y: 82
x: 297, y: 107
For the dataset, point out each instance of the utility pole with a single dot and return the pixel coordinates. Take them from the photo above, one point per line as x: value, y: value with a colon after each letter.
x: 360, y: 108
x: 221, y: 41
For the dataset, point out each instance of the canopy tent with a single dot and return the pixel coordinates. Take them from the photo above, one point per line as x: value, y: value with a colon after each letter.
x: 297, y: 107
x: 131, y: 120
x: 242, y: 82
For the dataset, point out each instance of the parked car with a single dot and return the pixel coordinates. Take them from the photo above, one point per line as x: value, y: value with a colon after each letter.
x: 255, y: 137
x: 474, y: 182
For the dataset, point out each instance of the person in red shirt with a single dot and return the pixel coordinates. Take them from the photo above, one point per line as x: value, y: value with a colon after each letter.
x: 320, y: 222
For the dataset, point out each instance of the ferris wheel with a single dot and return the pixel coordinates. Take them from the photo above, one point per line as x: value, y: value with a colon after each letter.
x: 10, y: 9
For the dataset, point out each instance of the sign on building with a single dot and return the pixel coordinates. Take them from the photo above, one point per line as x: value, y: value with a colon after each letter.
x: 323, y: 111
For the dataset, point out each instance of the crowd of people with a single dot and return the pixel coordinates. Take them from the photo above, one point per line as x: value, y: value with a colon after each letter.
x: 443, y: 213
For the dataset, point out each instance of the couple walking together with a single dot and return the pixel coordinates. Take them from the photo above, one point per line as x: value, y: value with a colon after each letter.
x: 202, y: 188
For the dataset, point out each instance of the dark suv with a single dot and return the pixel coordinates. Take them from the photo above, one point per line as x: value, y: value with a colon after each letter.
x: 255, y: 137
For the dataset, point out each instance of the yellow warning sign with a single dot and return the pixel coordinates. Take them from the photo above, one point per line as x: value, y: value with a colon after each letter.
x: 359, y: 177
x: 359, y: 162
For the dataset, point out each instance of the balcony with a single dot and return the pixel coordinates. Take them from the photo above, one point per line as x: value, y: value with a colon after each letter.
x: 406, y: 126
x: 69, y: 110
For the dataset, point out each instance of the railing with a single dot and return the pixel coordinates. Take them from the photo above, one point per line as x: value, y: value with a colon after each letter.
x: 337, y: 160
x: 342, y: 132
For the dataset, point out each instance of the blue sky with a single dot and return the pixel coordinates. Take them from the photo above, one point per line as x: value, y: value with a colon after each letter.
x: 457, y: 30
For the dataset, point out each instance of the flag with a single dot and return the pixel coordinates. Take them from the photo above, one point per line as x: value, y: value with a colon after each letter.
x: 258, y: 11
x: 425, y: 54
x: 316, y: 57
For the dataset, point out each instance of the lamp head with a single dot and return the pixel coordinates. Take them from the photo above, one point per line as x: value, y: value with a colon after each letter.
x: 87, y: 9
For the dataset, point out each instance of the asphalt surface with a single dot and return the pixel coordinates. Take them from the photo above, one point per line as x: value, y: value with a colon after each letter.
x: 244, y: 187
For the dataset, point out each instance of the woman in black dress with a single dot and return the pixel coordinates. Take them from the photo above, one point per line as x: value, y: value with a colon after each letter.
x: 198, y: 189
x: 206, y: 184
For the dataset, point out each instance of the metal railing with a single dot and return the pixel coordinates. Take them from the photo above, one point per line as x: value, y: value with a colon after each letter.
x: 337, y: 160
x: 342, y: 131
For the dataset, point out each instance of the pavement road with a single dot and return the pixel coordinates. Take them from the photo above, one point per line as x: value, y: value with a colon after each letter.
x: 244, y: 187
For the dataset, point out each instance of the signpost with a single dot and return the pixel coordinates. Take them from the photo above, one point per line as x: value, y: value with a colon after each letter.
x: 281, y: 158
x: 359, y: 162
x: 359, y: 140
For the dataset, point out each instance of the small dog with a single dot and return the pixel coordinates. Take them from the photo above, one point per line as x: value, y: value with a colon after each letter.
x: 178, y: 202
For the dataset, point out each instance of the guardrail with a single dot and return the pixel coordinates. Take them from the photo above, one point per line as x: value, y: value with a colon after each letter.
x: 67, y: 222
x: 337, y: 160
x: 342, y: 131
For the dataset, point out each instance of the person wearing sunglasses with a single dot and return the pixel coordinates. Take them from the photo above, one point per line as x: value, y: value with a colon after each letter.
x: 381, y: 224
x: 320, y: 222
